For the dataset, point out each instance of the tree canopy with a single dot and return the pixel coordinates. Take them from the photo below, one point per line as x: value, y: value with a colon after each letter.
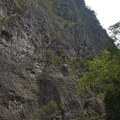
x: 115, y: 33
x: 103, y: 72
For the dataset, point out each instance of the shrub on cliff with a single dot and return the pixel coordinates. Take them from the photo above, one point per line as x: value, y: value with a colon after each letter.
x: 49, y: 111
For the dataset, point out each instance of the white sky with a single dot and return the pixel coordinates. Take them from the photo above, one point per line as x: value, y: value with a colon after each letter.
x: 107, y: 11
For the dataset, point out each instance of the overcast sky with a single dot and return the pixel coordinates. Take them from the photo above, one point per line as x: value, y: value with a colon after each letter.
x: 107, y: 11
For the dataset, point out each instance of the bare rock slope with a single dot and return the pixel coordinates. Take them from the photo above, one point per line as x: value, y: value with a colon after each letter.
x: 43, y: 44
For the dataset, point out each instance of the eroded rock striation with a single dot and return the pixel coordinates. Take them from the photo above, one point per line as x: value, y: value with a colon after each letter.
x: 43, y: 44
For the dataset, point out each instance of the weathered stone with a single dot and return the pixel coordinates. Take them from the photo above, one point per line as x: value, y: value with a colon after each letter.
x: 38, y: 43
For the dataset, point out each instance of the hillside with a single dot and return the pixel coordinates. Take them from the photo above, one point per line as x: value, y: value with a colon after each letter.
x: 43, y: 44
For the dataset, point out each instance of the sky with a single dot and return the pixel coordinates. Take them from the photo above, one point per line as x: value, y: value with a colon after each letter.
x: 107, y: 11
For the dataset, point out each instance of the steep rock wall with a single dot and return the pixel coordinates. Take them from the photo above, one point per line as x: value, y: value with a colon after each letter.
x: 42, y: 46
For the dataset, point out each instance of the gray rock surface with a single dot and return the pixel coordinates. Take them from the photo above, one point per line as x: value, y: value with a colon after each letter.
x: 38, y: 47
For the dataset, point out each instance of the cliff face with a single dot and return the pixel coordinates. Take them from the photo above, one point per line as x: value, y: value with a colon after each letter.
x: 43, y: 44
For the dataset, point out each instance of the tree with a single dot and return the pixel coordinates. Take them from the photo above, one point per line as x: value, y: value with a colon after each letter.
x: 115, y: 33
x: 102, y: 70
x: 104, y: 74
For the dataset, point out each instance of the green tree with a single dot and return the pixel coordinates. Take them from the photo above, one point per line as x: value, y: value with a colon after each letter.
x: 104, y: 74
x: 102, y: 70
x: 114, y: 30
x: 115, y: 33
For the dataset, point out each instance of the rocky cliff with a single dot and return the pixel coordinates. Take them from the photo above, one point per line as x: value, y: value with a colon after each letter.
x: 43, y: 44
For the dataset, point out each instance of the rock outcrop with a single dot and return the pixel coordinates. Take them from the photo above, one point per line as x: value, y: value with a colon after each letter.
x: 43, y: 44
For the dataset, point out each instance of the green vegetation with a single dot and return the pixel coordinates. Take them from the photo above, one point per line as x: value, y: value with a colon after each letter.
x: 102, y: 71
x: 115, y: 31
x: 16, y: 3
x: 49, y: 111
x: 62, y: 58
x: 69, y: 24
x: 104, y: 75
x: 112, y: 103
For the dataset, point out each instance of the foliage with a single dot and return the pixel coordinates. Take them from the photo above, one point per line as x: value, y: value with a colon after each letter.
x: 112, y: 103
x: 49, y: 111
x: 102, y: 71
x: 17, y: 3
x: 104, y: 74
x: 115, y: 33
x: 114, y: 30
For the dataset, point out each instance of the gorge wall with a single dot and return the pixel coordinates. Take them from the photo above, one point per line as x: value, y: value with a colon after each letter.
x: 43, y: 44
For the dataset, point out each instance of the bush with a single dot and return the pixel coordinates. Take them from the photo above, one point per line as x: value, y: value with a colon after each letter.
x: 49, y: 111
